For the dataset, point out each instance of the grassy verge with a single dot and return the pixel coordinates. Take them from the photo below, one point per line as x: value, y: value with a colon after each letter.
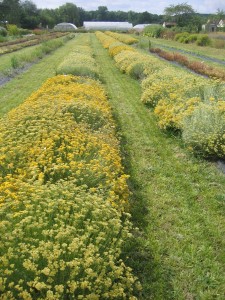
x: 178, y: 201
x: 18, y: 89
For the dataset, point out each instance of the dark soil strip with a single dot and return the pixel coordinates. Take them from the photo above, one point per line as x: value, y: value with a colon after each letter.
x: 16, y: 72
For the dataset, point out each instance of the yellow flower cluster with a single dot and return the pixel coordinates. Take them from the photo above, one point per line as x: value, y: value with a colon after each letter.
x: 124, y: 38
x: 112, y: 44
x: 63, y: 197
x: 191, y: 104
x: 83, y: 56
x: 105, y: 39
x: 132, y: 63
x: 118, y: 47
x: 173, y: 94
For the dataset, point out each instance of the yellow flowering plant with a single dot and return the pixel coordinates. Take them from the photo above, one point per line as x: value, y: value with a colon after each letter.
x: 63, y: 197
x: 124, y: 38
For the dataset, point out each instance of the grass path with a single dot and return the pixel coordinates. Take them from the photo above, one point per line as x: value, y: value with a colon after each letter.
x: 19, y: 88
x: 177, y: 200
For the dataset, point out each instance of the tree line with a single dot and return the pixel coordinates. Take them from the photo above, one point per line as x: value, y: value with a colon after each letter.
x: 25, y: 14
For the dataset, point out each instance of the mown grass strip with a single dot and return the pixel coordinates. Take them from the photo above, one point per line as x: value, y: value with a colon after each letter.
x: 181, y: 198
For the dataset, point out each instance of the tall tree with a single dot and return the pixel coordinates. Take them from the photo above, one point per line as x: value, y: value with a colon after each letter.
x: 102, y: 13
x: 220, y: 14
x: 10, y: 11
x: 48, y: 17
x: 69, y: 13
x: 29, y: 15
x: 180, y: 13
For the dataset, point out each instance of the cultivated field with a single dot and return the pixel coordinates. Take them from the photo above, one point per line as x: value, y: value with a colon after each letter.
x: 111, y: 181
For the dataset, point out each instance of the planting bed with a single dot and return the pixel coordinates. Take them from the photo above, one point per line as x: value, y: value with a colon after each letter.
x: 83, y: 228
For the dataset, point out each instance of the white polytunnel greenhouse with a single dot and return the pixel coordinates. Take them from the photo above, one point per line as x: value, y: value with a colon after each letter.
x: 123, y: 26
x: 140, y: 26
x: 65, y: 27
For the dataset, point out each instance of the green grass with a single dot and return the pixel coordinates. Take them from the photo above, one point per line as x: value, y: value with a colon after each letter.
x: 178, y: 200
x: 19, y: 88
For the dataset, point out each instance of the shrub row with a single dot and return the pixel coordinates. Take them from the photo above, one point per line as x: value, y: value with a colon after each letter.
x: 199, y: 39
x: 23, y: 43
x: 179, y: 99
x: 153, y: 31
x: 20, y: 60
x: 198, y: 67
x: 83, y: 56
x: 64, y: 197
x: 124, y: 38
x: 30, y: 37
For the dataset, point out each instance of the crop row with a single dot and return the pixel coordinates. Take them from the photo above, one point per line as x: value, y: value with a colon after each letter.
x: 182, y: 101
x: 124, y: 38
x: 64, y: 197
x: 83, y: 56
x: 198, y: 67
x: 19, y: 60
x: 8, y: 48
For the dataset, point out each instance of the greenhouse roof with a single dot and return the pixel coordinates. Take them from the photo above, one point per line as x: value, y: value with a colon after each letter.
x: 141, y: 26
x: 108, y: 25
x: 65, y: 26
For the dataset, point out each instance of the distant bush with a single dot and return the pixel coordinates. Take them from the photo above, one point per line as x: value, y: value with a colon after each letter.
x: 153, y: 31
x: 203, y: 131
x: 3, y: 31
x: 13, y: 29
x: 23, y: 31
x: 203, y: 40
x: 192, y: 38
x: 3, y: 39
x: 199, y: 39
x: 168, y: 34
x: 38, y: 31
x: 218, y: 43
x: 182, y: 37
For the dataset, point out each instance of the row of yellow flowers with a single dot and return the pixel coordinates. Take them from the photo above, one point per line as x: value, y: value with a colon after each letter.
x: 175, y: 96
x: 124, y: 38
x: 63, y: 197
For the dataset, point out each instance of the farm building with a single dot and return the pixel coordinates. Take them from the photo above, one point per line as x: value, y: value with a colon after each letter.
x: 210, y: 26
x: 169, y: 24
x: 65, y: 27
x: 123, y: 26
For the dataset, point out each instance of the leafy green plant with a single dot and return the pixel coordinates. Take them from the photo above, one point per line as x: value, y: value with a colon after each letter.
x: 3, y: 32
x: 13, y: 29
x: 15, y: 62
x: 203, y: 40
x: 153, y: 31
x: 182, y: 37
x: 203, y: 131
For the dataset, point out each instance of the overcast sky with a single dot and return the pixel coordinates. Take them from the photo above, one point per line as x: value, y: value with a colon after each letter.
x: 152, y: 6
